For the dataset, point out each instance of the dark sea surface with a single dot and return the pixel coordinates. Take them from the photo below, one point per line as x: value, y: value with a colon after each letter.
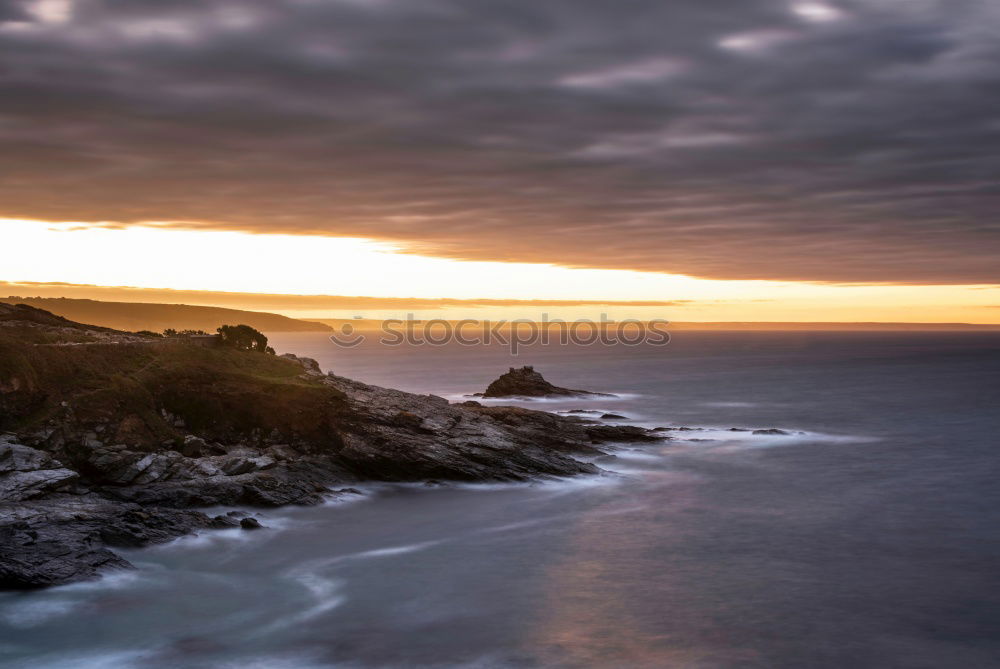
x: 872, y: 540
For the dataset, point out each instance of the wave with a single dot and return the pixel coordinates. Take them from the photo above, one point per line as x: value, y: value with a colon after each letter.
x: 394, y: 550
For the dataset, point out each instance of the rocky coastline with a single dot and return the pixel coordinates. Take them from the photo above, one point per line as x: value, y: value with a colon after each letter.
x: 107, y: 442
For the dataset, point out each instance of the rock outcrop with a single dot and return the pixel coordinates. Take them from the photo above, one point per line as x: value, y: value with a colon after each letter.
x: 27, y: 472
x: 116, y: 445
x: 526, y: 382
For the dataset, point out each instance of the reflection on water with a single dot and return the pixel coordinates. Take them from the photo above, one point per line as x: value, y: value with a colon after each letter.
x: 867, y: 541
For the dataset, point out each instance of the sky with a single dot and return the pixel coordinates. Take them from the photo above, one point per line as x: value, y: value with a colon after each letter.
x: 752, y: 160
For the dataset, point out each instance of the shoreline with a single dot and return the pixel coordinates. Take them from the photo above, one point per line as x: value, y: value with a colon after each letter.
x: 118, y: 446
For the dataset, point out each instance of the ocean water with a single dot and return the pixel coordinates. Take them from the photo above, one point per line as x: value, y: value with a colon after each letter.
x: 870, y: 538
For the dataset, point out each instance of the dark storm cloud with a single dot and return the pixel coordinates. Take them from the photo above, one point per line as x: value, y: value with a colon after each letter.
x: 855, y: 141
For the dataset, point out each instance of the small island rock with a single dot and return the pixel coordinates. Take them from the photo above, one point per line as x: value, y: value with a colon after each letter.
x: 526, y: 382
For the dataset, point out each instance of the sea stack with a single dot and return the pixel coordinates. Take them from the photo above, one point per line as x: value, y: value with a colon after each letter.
x: 526, y: 382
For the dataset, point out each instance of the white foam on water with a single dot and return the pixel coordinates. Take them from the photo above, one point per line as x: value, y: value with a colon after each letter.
x: 130, y: 659
x: 520, y: 525
x: 310, y: 574
x: 346, y: 499
x: 212, y: 538
x: 394, y: 550
x: 112, y: 580
x: 290, y: 661
x: 321, y: 589
x: 725, y: 438
x: 638, y: 455
x: 33, y: 613
x: 205, y: 539
x: 554, y: 483
x: 529, y: 401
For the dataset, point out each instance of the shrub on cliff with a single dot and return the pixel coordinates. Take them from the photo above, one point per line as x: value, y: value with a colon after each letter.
x: 244, y: 338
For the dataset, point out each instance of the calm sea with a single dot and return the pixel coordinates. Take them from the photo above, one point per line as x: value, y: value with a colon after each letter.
x: 872, y: 539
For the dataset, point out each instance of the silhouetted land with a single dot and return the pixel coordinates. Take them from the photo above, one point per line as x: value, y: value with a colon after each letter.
x: 136, y: 316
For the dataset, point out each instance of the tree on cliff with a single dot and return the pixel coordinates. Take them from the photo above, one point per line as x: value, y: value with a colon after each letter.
x: 244, y: 338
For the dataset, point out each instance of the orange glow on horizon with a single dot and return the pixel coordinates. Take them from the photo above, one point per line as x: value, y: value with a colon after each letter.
x: 193, y: 261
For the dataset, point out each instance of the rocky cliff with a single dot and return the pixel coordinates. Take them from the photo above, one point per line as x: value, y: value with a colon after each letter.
x: 108, y: 442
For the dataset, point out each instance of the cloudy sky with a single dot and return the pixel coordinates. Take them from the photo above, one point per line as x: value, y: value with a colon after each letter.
x: 784, y: 140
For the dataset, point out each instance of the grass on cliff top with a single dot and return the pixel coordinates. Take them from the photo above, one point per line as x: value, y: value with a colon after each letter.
x: 222, y: 392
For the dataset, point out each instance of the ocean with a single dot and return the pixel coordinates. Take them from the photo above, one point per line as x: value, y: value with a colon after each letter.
x: 869, y: 537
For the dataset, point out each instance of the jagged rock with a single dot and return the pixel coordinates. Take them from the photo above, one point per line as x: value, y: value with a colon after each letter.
x: 242, y: 465
x: 26, y: 472
x: 63, y: 539
x: 310, y: 365
x: 16, y: 457
x: 18, y: 486
x: 526, y: 382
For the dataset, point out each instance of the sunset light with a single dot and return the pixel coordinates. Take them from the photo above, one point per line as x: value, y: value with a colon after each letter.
x: 499, y: 334
x: 161, y: 256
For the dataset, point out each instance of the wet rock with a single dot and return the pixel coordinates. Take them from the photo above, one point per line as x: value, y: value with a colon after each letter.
x: 613, y: 416
x: 223, y: 522
x: 19, y: 486
x: 243, y: 465
x: 772, y: 431
x: 251, y: 524
x: 26, y: 472
x: 63, y: 539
